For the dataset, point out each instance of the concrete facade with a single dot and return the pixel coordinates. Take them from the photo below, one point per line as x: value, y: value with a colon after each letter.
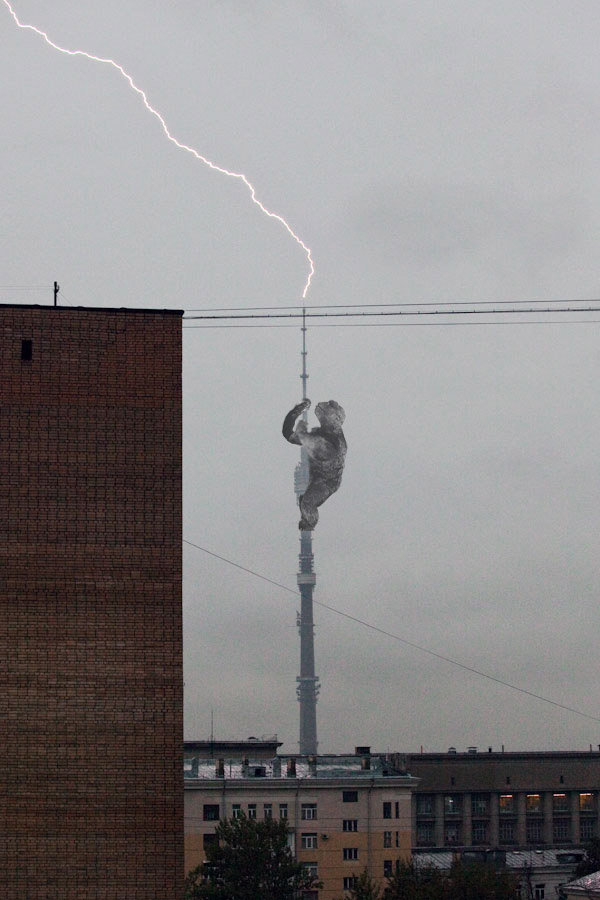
x: 505, y: 800
x: 345, y: 813
x: 91, y: 800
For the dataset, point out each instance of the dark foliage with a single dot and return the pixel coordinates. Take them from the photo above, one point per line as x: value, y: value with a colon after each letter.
x: 251, y: 859
x: 591, y: 861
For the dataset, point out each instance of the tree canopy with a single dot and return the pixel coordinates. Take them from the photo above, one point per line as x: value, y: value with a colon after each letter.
x: 250, y: 859
x: 464, y: 881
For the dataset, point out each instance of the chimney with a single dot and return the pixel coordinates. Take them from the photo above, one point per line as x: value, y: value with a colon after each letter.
x: 276, y: 767
x: 291, y: 768
x: 220, y: 770
x: 365, y: 763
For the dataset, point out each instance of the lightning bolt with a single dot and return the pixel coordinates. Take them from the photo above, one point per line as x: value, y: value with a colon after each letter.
x: 207, y: 162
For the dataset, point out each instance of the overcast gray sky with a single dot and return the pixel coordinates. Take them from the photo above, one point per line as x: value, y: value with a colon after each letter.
x: 424, y: 151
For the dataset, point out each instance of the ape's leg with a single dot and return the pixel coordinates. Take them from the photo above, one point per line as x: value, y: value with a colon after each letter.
x: 317, y: 493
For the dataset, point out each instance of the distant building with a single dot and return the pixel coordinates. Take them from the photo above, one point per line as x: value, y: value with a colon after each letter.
x: 529, y: 800
x: 588, y: 886
x: 90, y: 604
x: 542, y: 874
x: 344, y: 813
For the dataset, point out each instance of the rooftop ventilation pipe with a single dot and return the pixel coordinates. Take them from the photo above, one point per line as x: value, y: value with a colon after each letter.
x: 291, y: 768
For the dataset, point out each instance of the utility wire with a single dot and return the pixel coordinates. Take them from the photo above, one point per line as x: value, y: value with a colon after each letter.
x: 396, y: 637
x: 409, y: 324
x: 411, y: 313
x: 381, y: 305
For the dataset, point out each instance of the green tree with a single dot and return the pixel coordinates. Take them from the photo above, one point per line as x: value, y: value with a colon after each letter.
x: 411, y: 882
x: 364, y: 889
x: 251, y: 860
x: 464, y: 881
x: 591, y: 861
x: 481, y: 881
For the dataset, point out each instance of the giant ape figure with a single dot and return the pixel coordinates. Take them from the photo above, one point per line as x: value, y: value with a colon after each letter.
x: 326, y: 448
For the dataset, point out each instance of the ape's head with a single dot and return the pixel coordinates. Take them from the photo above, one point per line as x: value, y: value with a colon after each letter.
x: 330, y: 415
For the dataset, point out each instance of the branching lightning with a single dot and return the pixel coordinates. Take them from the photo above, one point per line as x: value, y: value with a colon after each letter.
x: 203, y: 159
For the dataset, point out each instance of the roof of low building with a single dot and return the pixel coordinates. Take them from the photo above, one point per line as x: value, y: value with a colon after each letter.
x: 586, y: 884
x: 515, y: 859
x: 325, y: 767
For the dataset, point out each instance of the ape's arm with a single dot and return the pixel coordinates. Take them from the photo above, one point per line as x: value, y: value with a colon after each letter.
x: 294, y: 436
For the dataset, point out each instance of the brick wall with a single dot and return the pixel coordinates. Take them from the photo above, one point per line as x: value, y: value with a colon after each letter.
x: 91, y: 797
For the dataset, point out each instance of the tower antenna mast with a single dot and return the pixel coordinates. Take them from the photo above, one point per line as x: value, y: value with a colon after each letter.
x: 308, y: 683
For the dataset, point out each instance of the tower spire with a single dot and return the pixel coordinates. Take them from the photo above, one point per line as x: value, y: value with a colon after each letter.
x: 308, y: 683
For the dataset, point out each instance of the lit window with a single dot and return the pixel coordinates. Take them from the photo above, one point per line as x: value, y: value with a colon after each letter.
x: 560, y: 803
x: 506, y: 804
x: 533, y: 803
x: 452, y: 804
x: 586, y: 802
x: 350, y: 825
x: 308, y: 811
x: 308, y: 842
x: 350, y: 853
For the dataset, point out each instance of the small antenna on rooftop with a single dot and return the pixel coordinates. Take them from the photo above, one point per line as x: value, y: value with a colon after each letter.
x: 56, y: 290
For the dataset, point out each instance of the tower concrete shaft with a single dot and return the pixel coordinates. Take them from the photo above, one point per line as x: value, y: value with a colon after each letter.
x: 308, y: 683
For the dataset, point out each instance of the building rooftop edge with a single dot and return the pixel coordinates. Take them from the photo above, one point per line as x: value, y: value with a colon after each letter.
x: 107, y: 309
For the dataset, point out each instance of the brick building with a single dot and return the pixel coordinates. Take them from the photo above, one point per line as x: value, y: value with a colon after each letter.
x: 344, y: 813
x: 91, y: 800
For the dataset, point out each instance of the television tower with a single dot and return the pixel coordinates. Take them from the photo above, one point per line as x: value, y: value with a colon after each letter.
x: 308, y: 683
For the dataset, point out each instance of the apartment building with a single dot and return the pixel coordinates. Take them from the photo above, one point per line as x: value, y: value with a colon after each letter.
x: 344, y: 813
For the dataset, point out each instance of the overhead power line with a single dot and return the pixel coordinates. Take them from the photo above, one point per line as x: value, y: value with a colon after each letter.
x: 437, y: 324
x: 396, y: 637
x: 301, y: 306
x: 496, y: 310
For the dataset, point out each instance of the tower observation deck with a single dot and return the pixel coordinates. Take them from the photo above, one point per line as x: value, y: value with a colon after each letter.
x: 308, y: 683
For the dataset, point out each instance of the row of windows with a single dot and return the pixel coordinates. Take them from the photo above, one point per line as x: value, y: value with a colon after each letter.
x: 212, y: 811
x: 308, y: 811
x: 507, y: 804
x: 507, y: 832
